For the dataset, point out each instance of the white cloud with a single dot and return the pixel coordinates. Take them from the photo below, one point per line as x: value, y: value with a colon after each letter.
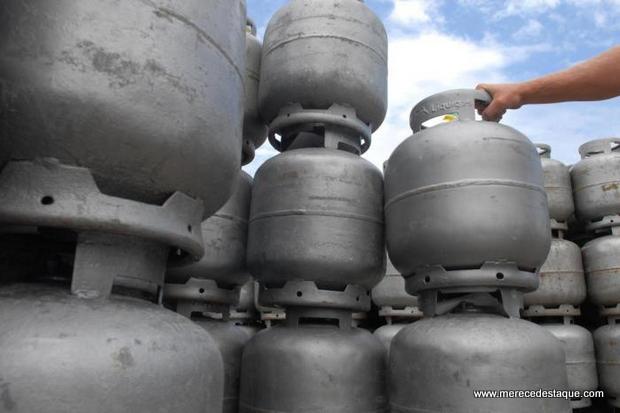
x: 424, y: 58
x: 424, y: 64
x: 531, y: 29
x: 415, y: 12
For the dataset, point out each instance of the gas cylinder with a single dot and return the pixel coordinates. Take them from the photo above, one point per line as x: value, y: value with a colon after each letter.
x: 307, y: 43
x: 607, y: 343
x: 147, y: 95
x: 596, y: 182
x: 317, y: 215
x: 437, y: 363
x: 225, y: 237
x: 558, y: 188
x: 392, y: 299
x: 387, y: 333
x: 310, y: 364
x: 63, y: 353
x: 230, y: 340
x: 390, y: 292
x: 562, y: 280
x: 470, y: 196
x: 580, y: 359
x: 601, y: 261
x: 254, y: 129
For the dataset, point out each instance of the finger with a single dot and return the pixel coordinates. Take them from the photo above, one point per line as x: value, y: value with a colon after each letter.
x: 483, y: 86
x: 492, y: 113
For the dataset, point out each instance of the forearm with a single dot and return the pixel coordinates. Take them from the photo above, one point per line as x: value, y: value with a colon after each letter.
x: 596, y: 79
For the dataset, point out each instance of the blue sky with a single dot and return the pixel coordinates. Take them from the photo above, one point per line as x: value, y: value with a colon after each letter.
x: 437, y: 45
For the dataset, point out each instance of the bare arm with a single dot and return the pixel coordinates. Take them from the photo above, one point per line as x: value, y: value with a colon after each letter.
x: 595, y: 79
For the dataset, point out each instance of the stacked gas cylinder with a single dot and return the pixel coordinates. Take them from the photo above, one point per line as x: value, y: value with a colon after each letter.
x: 596, y: 189
x: 315, y: 240
x: 467, y: 224
x: 122, y: 127
x: 217, y: 291
x: 395, y: 305
x: 556, y: 303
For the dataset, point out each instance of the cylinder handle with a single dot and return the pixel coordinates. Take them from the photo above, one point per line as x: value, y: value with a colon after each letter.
x: 458, y: 102
x: 250, y: 26
x: 599, y: 147
x: 544, y: 150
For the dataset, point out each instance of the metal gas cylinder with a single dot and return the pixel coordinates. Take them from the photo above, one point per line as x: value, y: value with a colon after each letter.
x: 457, y: 354
x: 470, y: 195
x: 148, y: 95
x: 392, y: 298
x: 225, y: 237
x: 307, y: 43
x: 61, y: 353
x: 246, y: 308
x: 596, y: 183
x: 386, y: 333
x: 317, y: 215
x: 558, y: 188
x: 310, y: 365
x: 254, y: 129
x: 607, y: 344
x: 562, y: 281
x: 230, y: 340
x: 580, y: 359
x: 601, y: 262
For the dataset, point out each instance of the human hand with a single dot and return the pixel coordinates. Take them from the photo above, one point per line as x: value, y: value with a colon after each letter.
x: 505, y: 96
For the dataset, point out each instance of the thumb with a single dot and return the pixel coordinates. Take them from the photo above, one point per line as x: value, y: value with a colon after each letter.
x: 493, y: 112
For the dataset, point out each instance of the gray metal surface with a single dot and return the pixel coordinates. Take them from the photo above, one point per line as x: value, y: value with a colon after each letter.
x: 306, y: 45
x: 596, y: 181
x: 558, y: 188
x: 64, y: 354
x: 317, y: 215
x: 336, y: 127
x: 580, y: 358
x: 103, y: 261
x: 45, y: 193
x: 224, y: 236
x: 601, y: 262
x: 508, y: 279
x: 309, y: 366
x: 391, y: 290
x: 436, y: 363
x: 387, y: 333
x: 254, y: 129
x: 468, y: 193
x: 200, y: 296
x: 607, y: 344
x: 307, y: 294
x: 148, y: 95
x: 230, y: 340
x: 245, y: 308
x: 562, y: 280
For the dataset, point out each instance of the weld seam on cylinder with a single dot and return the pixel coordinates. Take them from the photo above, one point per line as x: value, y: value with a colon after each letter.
x: 580, y: 363
x: 577, y: 272
x: 203, y: 35
x: 323, y: 36
x: 462, y: 184
x: 613, y: 269
x: 293, y: 212
x: 412, y: 409
x: 231, y: 218
x: 581, y: 188
x: 258, y: 409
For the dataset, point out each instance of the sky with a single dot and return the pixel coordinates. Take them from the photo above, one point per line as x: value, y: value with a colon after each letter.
x: 436, y: 45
